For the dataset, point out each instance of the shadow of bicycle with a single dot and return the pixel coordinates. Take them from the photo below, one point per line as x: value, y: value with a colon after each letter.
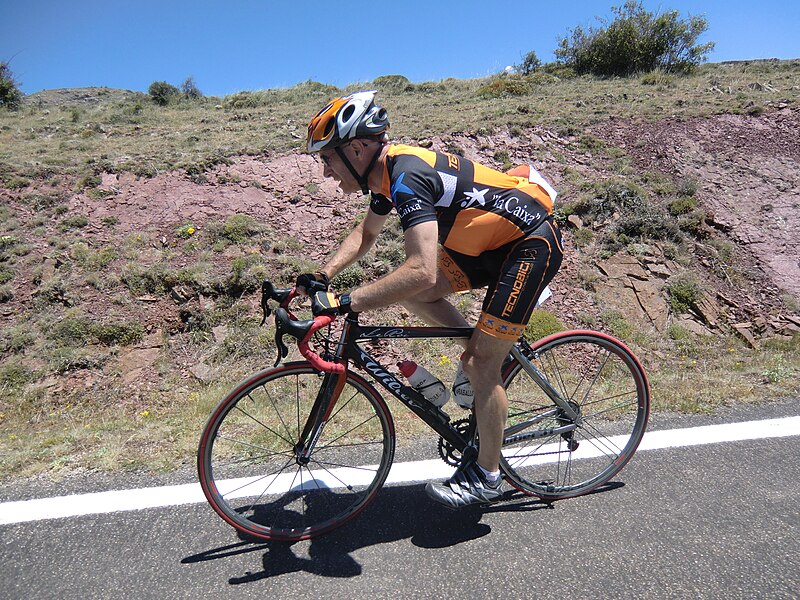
x: 399, y: 512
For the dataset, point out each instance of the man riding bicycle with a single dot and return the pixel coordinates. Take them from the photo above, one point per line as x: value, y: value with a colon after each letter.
x: 465, y: 226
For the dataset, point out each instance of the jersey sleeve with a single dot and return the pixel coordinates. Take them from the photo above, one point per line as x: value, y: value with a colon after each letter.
x: 415, y: 189
x: 380, y: 204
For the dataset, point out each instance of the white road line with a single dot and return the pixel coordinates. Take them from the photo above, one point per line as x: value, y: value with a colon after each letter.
x: 174, y: 495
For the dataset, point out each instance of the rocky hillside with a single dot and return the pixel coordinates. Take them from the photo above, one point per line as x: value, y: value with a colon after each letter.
x: 136, y: 289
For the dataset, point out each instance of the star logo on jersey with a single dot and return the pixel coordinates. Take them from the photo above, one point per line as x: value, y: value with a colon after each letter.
x: 398, y: 186
x: 476, y: 196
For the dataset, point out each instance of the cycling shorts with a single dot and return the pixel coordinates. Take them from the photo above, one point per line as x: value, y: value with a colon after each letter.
x: 516, y: 274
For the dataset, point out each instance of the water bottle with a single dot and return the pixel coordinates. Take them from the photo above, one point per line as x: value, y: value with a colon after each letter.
x: 424, y: 382
x: 463, y: 394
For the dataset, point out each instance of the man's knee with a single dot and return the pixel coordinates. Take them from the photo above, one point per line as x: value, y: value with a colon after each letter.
x: 482, y: 367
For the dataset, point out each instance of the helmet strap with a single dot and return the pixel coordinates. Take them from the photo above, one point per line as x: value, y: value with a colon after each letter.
x: 361, y: 179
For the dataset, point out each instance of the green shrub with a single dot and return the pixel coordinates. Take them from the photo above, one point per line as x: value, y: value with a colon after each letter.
x: 636, y: 41
x: 606, y: 198
x: 121, y: 334
x: 53, y: 291
x: 617, y: 324
x: 155, y: 279
x: 351, y: 277
x: 659, y: 78
x: 76, y: 331
x: 503, y: 86
x: 15, y: 374
x: 6, y: 273
x: 682, y: 205
x: 88, y: 181
x: 162, y: 93
x: 397, y: 83
x: 684, y: 291
x: 10, y: 96
x: 93, y: 260
x: 237, y: 229
x: 190, y: 90
x: 530, y: 62
x: 583, y: 237
x: 542, y: 324
x: 75, y: 222
x: 244, y: 100
x: 693, y: 223
x: 71, y: 331
x: 648, y: 222
x: 247, y: 273
x: 17, y: 339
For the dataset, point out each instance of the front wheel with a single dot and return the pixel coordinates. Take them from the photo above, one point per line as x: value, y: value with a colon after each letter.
x: 255, y: 477
x: 551, y: 455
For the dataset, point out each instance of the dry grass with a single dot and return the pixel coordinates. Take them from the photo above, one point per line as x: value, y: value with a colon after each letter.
x: 47, y: 431
x: 127, y: 132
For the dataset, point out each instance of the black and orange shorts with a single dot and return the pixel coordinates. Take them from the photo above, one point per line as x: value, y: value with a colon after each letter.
x: 516, y: 274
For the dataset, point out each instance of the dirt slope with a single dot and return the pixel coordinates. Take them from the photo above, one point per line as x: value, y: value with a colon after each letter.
x: 748, y: 172
x: 746, y: 168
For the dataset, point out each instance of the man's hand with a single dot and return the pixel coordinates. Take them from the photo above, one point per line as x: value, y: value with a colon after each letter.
x: 326, y: 303
x: 311, y: 283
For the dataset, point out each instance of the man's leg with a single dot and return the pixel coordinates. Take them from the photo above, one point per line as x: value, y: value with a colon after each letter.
x: 474, y: 483
x: 482, y: 363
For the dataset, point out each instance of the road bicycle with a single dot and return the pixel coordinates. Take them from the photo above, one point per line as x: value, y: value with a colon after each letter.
x: 300, y: 449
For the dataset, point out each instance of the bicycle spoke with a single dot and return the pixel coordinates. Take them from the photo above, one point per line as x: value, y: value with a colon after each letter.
x: 277, y: 411
x: 351, y: 430
x: 244, y: 412
x: 249, y: 445
x: 607, y: 391
x: 274, y: 476
x: 253, y: 475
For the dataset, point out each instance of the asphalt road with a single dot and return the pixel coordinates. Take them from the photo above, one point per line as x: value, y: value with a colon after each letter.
x: 715, y: 521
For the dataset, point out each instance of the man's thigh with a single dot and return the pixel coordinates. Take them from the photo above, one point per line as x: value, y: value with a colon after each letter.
x: 525, y: 271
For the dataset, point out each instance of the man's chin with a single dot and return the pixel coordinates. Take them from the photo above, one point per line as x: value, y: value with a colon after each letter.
x: 351, y: 190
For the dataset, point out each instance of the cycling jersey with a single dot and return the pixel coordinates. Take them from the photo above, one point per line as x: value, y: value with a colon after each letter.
x: 478, y: 208
x: 495, y: 229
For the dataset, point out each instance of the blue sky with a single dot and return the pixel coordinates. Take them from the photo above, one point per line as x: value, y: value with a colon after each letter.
x: 235, y: 45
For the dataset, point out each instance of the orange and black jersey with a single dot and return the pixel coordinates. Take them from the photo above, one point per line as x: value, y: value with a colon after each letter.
x: 478, y: 208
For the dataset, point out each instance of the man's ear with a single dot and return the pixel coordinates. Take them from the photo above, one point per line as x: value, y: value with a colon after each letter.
x: 357, y: 146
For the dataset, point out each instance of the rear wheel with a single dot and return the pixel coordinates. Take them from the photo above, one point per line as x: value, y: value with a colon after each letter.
x: 253, y: 475
x: 551, y: 455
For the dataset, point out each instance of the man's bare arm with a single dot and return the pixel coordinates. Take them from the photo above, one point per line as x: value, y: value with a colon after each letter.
x: 416, y: 274
x: 355, y: 245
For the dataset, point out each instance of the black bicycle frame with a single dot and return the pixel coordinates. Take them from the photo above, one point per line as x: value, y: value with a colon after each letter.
x: 348, y: 350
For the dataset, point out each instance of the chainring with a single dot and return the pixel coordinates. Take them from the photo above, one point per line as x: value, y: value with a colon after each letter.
x: 447, y: 451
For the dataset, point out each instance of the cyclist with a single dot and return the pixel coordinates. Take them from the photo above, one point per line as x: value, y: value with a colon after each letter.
x: 465, y: 226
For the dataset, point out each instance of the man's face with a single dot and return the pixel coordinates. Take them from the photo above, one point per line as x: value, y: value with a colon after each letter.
x: 335, y: 168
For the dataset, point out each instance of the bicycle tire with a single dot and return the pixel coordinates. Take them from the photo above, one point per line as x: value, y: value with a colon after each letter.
x: 605, y: 383
x: 249, y: 471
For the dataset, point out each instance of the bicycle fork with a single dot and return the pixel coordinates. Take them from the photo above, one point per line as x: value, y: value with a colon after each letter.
x: 327, y: 396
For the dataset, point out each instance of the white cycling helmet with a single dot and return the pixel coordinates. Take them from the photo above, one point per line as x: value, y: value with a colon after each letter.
x: 347, y: 118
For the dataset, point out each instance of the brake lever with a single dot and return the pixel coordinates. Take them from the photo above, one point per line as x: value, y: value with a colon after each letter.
x: 269, y: 292
x: 266, y: 311
x: 283, y: 349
